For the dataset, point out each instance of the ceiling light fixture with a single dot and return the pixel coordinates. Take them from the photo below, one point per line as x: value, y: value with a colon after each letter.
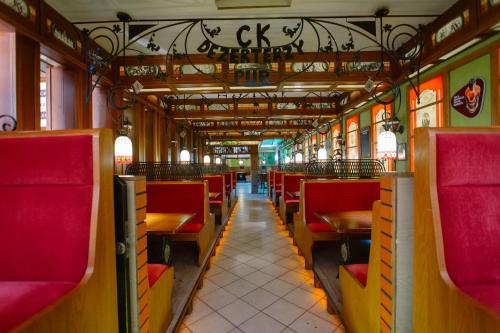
x: 460, y: 49
x: 253, y: 88
x: 199, y: 88
x: 423, y: 69
x: 350, y: 86
x: 155, y: 90
x: 236, y: 4
x: 305, y: 86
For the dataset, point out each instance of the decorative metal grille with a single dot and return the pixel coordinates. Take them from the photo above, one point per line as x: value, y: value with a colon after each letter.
x: 292, y: 168
x: 165, y: 171
x: 356, y: 169
x: 211, y: 169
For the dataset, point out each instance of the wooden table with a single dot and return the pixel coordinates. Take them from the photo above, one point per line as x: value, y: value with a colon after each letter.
x: 351, y: 223
x: 166, y: 223
x: 293, y: 194
x: 213, y: 195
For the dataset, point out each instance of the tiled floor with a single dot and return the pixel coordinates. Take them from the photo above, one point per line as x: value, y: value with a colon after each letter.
x: 257, y: 283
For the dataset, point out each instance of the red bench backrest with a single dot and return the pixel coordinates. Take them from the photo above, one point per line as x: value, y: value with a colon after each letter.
x: 216, y: 184
x: 271, y: 178
x: 178, y: 197
x: 338, y: 195
x: 468, y: 185
x: 46, y: 207
x: 291, y: 183
x: 277, y: 177
x: 228, y: 181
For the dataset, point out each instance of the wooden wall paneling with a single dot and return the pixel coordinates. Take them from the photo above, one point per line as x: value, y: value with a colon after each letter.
x: 174, y: 141
x: 27, y: 83
x: 139, y: 133
x: 83, y: 108
x: 495, y: 89
x: 8, y: 73
x: 149, y: 136
x: 101, y: 116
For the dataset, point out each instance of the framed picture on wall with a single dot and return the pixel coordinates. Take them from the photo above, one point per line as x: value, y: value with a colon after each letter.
x: 401, y: 151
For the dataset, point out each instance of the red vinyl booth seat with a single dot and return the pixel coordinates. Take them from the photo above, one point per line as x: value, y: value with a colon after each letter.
x: 358, y: 271
x: 154, y: 273
x: 457, y: 230
x: 326, y: 196
x: 337, y: 196
x: 216, y: 184
x: 291, y: 183
x: 178, y: 197
x: 469, y: 203
x: 228, y: 182
x: 52, y: 193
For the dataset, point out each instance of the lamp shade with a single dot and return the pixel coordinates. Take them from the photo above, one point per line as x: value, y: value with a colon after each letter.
x: 123, y: 150
x: 185, y: 155
x: 322, y: 155
x: 218, y: 160
x: 240, y: 162
x: 206, y: 159
x: 287, y: 159
x: 264, y: 162
x: 299, y: 158
x: 386, y: 146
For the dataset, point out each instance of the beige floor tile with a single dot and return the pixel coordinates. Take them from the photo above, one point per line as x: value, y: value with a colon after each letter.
x: 278, y: 287
x: 240, y: 287
x: 319, y: 309
x: 214, y: 269
x: 208, y: 287
x: 259, y: 278
x: 260, y: 298
x: 261, y: 323
x: 302, y: 298
x: 242, y: 270
x: 274, y: 270
x: 227, y: 263
x: 258, y: 263
x: 214, y: 322
x: 224, y: 278
x: 283, y: 311
x: 309, y: 323
x: 238, y: 312
x: 218, y: 298
x: 200, y: 310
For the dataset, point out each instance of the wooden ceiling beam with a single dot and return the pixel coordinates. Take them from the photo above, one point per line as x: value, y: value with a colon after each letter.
x: 251, y: 137
x: 252, y: 128
x: 250, y: 113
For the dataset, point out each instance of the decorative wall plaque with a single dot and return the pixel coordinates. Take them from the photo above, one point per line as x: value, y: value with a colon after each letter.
x: 19, y: 6
x: 469, y: 100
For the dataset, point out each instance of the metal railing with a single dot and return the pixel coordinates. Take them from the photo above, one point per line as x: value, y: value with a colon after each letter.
x: 165, y: 171
x: 345, y: 169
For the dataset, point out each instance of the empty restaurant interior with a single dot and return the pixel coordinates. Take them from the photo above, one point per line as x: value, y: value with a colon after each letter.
x: 212, y: 166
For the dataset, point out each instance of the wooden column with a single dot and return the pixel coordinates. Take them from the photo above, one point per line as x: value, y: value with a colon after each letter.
x: 27, y: 83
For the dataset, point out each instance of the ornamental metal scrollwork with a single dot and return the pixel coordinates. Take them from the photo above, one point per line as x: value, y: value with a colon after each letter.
x: 259, y: 42
x: 7, y: 123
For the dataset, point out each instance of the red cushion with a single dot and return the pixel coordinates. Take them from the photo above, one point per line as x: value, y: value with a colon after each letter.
x: 154, y: 273
x: 227, y: 181
x: 191, y: 227
x: 287, y: 201
x: 21, y: 300
x: 291, y: 183
x: 46, y: 186
x: 177, y: 197
x: 338, y: 196
x: 469, y: 197
x: 488, y: 295
x: 216, y: 202
x: 319, y: 227
x: 359, y: 271
x: 215, y: 183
